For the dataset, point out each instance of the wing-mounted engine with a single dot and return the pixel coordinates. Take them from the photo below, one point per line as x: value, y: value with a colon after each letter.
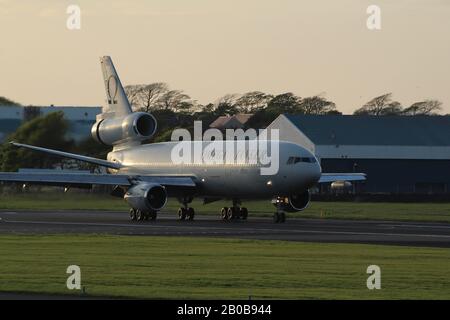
x: 146, y: 197
x: 134, y: 127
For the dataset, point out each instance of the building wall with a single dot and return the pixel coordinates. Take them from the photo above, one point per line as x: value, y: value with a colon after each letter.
x: 389, y: 168
x: 383, y: 152
x: 289, y: 132
x: 80, y: 119
x: 396, y: 175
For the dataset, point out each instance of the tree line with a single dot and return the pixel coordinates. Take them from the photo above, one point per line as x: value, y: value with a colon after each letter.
x: 175, y: 109
x: 159, y: 99
x: 158, y: 96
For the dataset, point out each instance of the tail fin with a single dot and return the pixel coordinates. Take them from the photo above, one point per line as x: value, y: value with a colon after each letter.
x: 117, y: 99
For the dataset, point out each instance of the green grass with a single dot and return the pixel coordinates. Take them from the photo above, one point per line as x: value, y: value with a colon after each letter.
x: 174, y: 267
x: 325, y: 210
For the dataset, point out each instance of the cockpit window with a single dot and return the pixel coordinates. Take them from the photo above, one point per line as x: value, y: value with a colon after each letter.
x: 294, y: 160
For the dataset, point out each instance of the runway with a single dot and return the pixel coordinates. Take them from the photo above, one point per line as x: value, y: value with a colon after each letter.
x: 309, y: 230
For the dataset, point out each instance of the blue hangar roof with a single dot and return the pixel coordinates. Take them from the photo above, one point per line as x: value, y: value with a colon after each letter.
x: 374, y: 130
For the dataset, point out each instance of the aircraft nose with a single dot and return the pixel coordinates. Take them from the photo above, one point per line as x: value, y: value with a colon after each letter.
x: 316, y: 172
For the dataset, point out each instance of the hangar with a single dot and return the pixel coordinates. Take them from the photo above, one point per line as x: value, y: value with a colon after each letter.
x: 399, y: 154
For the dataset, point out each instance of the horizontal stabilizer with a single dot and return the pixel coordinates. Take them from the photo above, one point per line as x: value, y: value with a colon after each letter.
x: 100, y: 162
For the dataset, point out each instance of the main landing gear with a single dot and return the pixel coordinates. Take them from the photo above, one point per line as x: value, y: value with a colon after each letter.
x: 233, y: 213
x: 185, y: 212
x: 139, y: 215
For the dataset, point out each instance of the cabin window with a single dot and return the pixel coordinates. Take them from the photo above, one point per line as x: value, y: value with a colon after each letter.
x: 294, y: 160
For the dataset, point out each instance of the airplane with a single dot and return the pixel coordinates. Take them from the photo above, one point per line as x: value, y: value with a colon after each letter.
x: 145, y: 175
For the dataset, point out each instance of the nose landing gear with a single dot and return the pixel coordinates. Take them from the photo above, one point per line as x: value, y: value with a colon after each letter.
x: 279, y: 216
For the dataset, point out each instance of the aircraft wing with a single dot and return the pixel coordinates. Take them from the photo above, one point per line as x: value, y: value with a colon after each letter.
x: 81, y: 179
x: 332, y: 177
x: 88, y: 179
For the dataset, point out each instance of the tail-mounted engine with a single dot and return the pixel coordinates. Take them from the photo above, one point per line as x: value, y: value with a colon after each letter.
x: 138, y: 126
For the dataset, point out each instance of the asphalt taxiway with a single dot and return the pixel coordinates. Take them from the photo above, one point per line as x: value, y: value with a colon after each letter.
x: 309, y: 230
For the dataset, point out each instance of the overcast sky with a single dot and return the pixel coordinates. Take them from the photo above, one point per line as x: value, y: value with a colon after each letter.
x: 213, y: 47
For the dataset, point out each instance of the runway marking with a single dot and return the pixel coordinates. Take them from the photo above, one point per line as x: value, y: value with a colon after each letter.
x: 227, y: 230
x: 420, y: 226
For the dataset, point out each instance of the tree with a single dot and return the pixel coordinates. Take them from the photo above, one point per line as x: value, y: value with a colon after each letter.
x: 150, y: 94
x: 132, y: 93
x: 253, y: 101
x: 47, y: 132
x: 6, y: 102
x: 146, y: 97
x: 225, y: 109
x: 261, y: 119
x: 209, y: 108
x: 229, y: 99
x: 424, y: 108
x: 290, y: 103
x: 284, y: 103
x: 381, y: 106
x: 316, y: 105
x: 174, y: 100
x: 166, y: 119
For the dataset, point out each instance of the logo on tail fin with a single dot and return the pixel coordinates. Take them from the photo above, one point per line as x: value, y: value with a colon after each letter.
x: 112, y: 89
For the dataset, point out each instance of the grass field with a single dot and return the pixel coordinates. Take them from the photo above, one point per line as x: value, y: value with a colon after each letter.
x: 173, y: 267
x: 326, y: 210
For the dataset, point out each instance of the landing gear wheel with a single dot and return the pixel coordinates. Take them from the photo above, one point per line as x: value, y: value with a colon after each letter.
x: 223, y: 213
x: 279, y: 217
x: 276, y: 217
x: 190, y: 214
x: 133, y: 215
x: 140, y: 215
x: 152, y: 215
x: 231, y: 214
x: 181, y: 214
x: 244, y: 213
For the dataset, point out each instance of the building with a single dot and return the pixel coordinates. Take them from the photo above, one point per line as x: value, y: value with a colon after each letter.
x: 399, y: 154
x: 80, y: 119
x: 237, y: 121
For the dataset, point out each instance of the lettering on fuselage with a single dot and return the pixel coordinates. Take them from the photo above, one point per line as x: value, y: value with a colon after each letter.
x: 238, y: 147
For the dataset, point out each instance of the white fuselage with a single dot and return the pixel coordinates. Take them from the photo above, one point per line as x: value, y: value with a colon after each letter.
x: 298, y: 170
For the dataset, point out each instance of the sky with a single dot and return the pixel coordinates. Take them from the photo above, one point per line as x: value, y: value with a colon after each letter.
x: 210, y: 48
